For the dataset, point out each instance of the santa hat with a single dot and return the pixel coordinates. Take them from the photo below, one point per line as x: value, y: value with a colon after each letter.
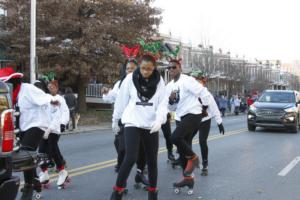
x: 8, y: 73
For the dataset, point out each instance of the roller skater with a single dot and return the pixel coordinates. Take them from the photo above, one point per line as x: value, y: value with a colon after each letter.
x: 59, y: 116
x: 187, y: 181
x: 183, y: 92
x: 213, y: 112
x: 142, y: 105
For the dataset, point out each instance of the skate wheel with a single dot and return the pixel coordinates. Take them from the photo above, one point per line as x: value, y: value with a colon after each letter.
x: 190, y: 192
x: 177, y: 190
x: 68, y: 180
x: 37, y: 196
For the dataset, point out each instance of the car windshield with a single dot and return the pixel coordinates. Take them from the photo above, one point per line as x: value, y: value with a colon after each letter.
x: 277, y: 97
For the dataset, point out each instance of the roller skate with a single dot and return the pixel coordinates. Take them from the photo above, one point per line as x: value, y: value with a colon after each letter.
x: 171, y: 157
x: 140, y: 180
x: 187, y: 181
x: 117, y: 193
x: 176, y: 163
x: 152, y: 193
x: 63, y: 178
x: 192, y: 163
x: 204, y: 169
x: 37, y: 187
x: 44, y: 179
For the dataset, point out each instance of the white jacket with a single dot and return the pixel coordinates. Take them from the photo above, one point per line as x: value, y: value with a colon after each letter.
x: 213, y: 110
x: 112, y: 94
x: 33, y: 103
x: 128, y: 108
x: 58, y: 115
x: 188, y: 90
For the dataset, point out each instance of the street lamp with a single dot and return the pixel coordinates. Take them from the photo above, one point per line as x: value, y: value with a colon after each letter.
x: 32, y: 40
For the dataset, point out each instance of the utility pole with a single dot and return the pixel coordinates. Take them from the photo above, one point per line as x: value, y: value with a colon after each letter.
x: 32, y: 40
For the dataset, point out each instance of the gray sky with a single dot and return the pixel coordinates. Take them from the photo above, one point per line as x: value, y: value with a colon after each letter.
x: 262, y: 29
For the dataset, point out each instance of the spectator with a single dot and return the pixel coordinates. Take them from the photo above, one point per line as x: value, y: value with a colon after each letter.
x: 223, y: 105
x: 72, y: 104
x: 237, y: 104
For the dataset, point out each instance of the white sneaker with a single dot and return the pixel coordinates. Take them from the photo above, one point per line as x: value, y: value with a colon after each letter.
x: 44, y: 177
x: 62, y: 177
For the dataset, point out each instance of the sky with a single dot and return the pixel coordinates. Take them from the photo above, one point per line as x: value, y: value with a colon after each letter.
x: 256, y: 29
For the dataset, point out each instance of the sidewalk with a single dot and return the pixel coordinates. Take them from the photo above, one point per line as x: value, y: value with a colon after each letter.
x: 88, y: 128
x: 107, y: 126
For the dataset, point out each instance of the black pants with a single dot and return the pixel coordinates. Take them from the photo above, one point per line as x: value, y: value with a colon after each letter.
x: 30, y: 141
x: 50, y: 147
x: 182, y: 135
x: 72, y: 115
x: 166, y: 129
x: 203, y: 135
x: 133, y: 137
x: 223, y: 110
x: 120, y: 148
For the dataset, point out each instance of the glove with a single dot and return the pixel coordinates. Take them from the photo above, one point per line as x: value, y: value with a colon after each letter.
x: 46, y: 134
x: 62, y: 128
x: 204, y: 111
x: 155, y: 127
x: 115, y: 126
x: 221, y: 128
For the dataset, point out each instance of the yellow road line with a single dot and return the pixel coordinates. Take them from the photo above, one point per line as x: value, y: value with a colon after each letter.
x: 109, y: 163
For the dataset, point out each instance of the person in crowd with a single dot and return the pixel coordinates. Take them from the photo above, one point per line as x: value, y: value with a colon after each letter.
x: 71, y: 101
x: 223, y: 105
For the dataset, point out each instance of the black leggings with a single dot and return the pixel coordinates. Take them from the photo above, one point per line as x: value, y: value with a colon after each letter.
x: 166, y: 129
x: 120, y: 148
x: 203, y: 135
x: 50, y: 147
x: 30, y: 141
x: 133, y: 138
x: 182, y: 135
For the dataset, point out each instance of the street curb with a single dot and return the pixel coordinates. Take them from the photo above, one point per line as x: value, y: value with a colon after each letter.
x: 84, y: 129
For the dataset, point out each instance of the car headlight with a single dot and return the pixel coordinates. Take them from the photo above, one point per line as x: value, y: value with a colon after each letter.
x: 252, y: 108
x: 291, y: 109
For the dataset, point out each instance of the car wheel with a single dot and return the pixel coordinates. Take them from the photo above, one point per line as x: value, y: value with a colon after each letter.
x: 251, y: 127
x: 295, y: 129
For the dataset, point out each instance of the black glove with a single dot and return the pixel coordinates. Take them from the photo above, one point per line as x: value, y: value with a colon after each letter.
x: 221, y: 128
x: 62, y: 128
x: 204, y: 111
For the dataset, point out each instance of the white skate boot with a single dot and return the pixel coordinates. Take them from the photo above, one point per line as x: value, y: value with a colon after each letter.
x: 44, y: 179
x: 62, y: 179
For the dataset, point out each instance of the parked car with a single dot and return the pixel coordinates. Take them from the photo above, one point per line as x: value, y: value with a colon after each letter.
x: 9, y: 184
x: 275, y: 109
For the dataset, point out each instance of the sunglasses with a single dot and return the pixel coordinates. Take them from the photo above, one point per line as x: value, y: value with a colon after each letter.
x: 171, y: 67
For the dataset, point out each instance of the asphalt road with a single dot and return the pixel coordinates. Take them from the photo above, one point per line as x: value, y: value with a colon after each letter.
x: 242, y: 165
